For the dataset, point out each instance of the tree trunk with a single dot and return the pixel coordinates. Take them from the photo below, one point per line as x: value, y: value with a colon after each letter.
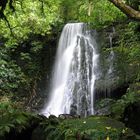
x: 89, y: 7
x: 129, y: 11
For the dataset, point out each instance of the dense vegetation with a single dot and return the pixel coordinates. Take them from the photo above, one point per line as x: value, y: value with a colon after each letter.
x: 28, y: 32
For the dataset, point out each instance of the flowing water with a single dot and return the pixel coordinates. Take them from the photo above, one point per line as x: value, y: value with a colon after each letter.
x: 111, y: 56
x: 75, y: 73
x: 110, y: 73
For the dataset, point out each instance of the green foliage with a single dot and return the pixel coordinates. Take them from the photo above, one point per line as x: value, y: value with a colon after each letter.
x: 104, y: 105
x: 126, y: 42
x: 84, y: 128
x: 134, y: 3
x: 29, y: 19
x: 132, y: 95
x: 104, y: 102
x: 129, y: 42
x: 12, y: 118
x: 102, y: 12
x: 11, y: 75
x: 22, y: 43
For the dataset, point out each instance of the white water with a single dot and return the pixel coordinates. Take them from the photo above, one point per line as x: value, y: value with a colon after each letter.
x: 75, y: 72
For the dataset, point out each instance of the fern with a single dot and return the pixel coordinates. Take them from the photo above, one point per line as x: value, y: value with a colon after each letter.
x: 55, y: 135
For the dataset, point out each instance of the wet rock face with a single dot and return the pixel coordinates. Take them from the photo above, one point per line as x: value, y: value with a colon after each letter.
x: 115, y: 93
x: 132, y: 116
x: 110, y: 82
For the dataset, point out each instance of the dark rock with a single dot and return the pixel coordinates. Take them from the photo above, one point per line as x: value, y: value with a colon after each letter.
x: 68, y: 116
x: 38, y: 134
x: 52, y: 117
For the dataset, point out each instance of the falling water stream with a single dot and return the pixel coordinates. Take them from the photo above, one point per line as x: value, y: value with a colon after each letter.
x: 110, y: 73
x: 75, y: 73
x: 111, y: 56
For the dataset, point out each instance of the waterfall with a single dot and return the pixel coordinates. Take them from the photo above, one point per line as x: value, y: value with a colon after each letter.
x: 75, y: 73
x: 111, y: 56
x: 110, y: 73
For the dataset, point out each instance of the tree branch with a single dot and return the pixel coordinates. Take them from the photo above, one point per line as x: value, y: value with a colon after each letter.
x: 129, y: 11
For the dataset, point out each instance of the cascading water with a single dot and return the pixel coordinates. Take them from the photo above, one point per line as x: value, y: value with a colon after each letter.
x: 111, y: 56
x: 110, y: 73
x: 75, y: 72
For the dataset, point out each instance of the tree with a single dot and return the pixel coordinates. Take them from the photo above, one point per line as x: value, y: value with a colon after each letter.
x: 3, y: 4
x: 128, y: 10
x: 131, y: 11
